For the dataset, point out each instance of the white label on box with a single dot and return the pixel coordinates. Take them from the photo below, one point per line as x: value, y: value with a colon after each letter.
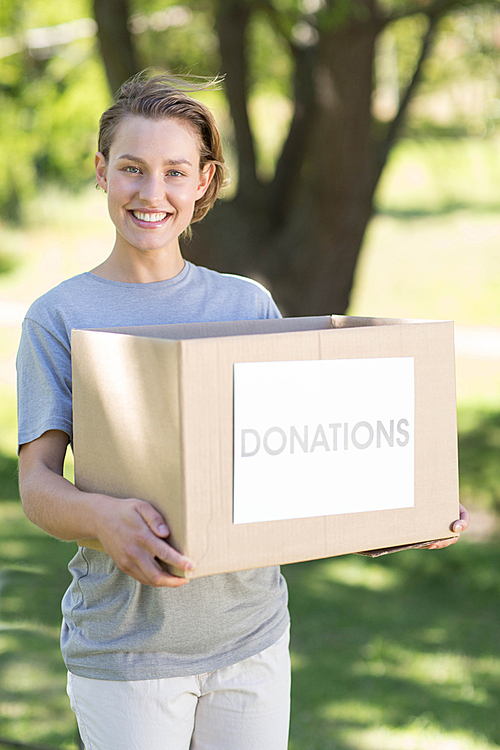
x: 322, y: 437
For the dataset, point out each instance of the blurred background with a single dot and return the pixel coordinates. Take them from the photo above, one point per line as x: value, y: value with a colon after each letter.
x: 363, y: 140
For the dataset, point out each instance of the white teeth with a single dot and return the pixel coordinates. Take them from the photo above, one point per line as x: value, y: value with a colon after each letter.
x: 149, y: 217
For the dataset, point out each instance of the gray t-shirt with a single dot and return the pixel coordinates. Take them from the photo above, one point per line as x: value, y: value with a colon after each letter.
x: 115, y: 628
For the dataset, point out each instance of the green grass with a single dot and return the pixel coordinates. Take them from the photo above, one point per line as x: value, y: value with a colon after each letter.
x: 432, y: 249
x: 479, y: 451
x: 444, y: 267
x: 436, y: 176
x: 33, y: 577
x: 398, y: 652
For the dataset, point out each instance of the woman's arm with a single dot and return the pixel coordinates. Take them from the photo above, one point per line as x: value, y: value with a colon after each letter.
x: 131, y: 531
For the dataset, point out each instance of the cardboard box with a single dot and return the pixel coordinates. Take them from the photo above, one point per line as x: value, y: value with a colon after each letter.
x: 273, y: 441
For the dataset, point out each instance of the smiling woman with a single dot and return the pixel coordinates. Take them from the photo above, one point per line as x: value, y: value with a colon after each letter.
x: 153, y: 179
x: 159, y: 98
x: 152, y: 662
x: 160, y: 162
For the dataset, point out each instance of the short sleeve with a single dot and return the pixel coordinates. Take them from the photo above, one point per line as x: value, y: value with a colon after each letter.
x: 273, y: 311
x: 44, y: 400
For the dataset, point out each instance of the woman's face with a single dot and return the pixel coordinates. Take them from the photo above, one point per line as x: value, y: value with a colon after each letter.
x: 152, y: 178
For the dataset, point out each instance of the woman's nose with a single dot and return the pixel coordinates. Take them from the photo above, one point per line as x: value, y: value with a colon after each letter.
x: 152, y: 189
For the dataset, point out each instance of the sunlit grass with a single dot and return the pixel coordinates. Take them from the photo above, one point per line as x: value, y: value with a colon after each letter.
x: 65, y: 234
x: 444, y: 267
x: 436, y: 175
x: 420, y: 734
x: 413, y: 663
x: 33, y: 577
x: 374, y: 578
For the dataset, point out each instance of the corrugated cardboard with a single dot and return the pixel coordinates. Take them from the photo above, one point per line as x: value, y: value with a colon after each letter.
x: 153, y: 419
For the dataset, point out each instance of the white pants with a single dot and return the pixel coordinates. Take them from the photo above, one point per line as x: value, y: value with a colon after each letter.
x: 241, y: 707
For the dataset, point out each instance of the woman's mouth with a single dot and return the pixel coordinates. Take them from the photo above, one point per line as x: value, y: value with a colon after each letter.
x: 149, y: 218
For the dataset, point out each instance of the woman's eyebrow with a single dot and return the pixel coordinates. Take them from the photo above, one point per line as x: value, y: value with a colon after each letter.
x: 170, y: 162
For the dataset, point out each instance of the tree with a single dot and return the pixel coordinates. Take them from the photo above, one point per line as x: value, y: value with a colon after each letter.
x: 300, y: 231
x: 52, y: 90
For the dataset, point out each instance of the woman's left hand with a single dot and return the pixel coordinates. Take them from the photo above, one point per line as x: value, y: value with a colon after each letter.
x: 458, y: 526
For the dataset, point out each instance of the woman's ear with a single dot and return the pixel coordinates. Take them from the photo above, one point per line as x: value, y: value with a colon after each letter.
x: 101, y: 171
x: 206, y: 176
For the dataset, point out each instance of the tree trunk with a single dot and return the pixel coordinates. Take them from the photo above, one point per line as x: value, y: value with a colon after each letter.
x: 308, y: 258
x: 342, y: 170
x: 117, y: 50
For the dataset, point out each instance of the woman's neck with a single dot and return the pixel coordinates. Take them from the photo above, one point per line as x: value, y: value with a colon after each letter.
x: 140, y: 268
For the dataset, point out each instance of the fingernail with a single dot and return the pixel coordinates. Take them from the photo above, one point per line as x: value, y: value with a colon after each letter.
x: 162, y: 529
x: 459, y: 527
x: 189, y: 565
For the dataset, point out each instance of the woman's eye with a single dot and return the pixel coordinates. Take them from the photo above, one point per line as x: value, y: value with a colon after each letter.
x: 132, y: 170
x: 175, y: 173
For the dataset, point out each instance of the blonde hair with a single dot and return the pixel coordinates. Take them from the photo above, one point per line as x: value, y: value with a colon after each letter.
x: 164, y: 96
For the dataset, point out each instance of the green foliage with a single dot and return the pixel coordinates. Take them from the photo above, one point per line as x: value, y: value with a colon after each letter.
x: 459, y: 90
x: 406, y: 35
x: 50, y: 102
x: 18, y: 176
x: 68, y: 123
x: 31, y: 14
x: 270, y: 62
x: 180, y: 39
x: 51, y: 98
x: 464, y: 68
x: 467, y: 47
x: 335, y: 15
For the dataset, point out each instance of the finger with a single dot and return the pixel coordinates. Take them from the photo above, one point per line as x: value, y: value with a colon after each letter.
x: 464, y: 521
x: 158, y: 548
x: 171, y: 556
x: 443, y: 543
x: 160, y: 579
x: 149, y: 572
x: 154, y: 520
x: 150, y: 547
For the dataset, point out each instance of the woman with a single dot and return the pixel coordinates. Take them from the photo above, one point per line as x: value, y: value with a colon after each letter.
x: 152, y: 663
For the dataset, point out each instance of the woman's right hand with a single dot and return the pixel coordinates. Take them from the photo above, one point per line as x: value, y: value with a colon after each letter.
x: 131, y: 531
x: 134, y: 534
